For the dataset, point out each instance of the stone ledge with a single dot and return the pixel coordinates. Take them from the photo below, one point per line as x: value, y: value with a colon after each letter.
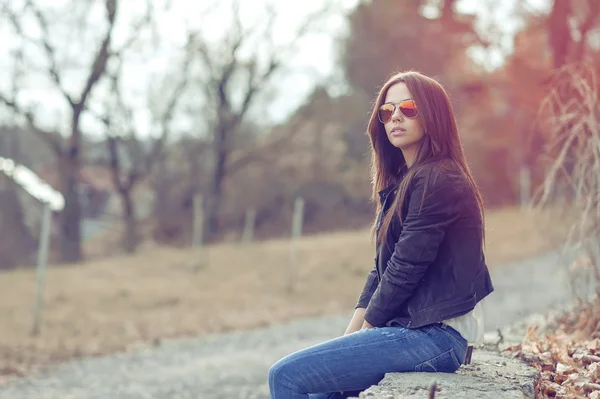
x: 490, y: 375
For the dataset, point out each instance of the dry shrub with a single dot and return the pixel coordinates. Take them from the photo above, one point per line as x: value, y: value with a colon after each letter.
x: 568, y: 352
x: 569, y: 115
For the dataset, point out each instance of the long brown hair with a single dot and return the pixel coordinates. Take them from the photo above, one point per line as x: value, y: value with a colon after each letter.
x: 440, y: 143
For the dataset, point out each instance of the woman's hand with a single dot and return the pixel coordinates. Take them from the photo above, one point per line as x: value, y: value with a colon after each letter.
x: 357, y: 321
x: 366, y: 325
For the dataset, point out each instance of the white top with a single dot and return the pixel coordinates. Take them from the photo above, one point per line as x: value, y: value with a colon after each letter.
x: 470, y: 325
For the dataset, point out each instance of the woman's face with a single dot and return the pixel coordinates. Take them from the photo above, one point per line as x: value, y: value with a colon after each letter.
x: 404, y: 133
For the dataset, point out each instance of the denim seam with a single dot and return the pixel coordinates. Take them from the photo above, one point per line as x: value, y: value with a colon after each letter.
x: 449, y: 334
x: 429, y: 362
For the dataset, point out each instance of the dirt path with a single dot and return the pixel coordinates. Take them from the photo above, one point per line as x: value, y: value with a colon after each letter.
x: 235, y: 365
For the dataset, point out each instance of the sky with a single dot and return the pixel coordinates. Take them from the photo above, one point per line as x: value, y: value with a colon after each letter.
x: 148, y: 67
x: 158, y: 54
x: 150, y: 62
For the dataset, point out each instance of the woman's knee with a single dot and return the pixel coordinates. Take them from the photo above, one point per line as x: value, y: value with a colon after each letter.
x: 279, y: 372
x: 275, y: 371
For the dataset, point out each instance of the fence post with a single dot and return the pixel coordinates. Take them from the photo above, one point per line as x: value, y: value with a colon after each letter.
x: 198, y: 229
x: 42, y: 262
x: 248, y: 234
x: 297, y: 220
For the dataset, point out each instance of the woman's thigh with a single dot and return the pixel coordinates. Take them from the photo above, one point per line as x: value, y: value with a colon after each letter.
x: 356, y: 361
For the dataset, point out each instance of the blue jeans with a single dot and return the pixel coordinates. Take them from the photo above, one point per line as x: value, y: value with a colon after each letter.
x: 354, y: 362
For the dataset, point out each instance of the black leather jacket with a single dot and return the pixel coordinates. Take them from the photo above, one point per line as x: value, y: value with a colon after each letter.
x: 431, y: 267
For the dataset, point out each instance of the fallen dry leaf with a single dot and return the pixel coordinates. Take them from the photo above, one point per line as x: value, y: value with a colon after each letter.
x: 594, y: 370
x: 569, y: 357
x: 564, y: 369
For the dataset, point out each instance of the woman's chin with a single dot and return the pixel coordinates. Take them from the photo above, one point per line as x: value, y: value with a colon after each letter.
x: 401, y: 142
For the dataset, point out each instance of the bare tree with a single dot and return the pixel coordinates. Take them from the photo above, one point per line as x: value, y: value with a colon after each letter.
x: 124, y: 142
x: 239, y: 69
x: 68, y: 152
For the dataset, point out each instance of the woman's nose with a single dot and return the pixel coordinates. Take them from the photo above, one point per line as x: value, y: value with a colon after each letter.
x: 397, y: 115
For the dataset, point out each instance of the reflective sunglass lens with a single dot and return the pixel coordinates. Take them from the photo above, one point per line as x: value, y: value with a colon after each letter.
x: 385, y: 113
x: 409, y: 109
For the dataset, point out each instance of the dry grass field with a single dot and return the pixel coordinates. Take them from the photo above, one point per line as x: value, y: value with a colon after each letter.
x: 119, y: 303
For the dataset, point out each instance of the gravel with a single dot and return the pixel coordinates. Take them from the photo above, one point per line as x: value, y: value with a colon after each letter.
x: 235, y: 365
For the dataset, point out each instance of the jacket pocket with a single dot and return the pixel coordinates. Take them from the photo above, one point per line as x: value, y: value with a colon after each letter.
x: 447, y: 362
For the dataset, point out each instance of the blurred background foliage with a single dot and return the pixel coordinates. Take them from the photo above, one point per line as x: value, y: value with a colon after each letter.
x: 214, y: 122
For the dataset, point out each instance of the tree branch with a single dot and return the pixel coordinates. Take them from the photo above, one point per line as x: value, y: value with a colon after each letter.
x: 50, y: 138
x: 136, y: 27
x: 50, y: 52
x: 255, y: 80
x: 254, y: 83
x: 167, y: 116
x: 113, y: 140
x: 141, y: 163
x: 115, y: 162
x: 270, y: 147
x: 227, y: 73
x: 102, y: 56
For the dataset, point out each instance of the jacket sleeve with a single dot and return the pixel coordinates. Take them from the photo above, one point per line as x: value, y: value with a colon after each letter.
x: 368, y: 290
x: 423, y: 230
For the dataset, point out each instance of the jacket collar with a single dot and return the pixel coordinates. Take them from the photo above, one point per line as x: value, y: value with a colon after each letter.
x: 385, y: 192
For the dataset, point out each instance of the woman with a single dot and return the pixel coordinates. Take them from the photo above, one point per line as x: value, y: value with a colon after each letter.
x: 420, y: 304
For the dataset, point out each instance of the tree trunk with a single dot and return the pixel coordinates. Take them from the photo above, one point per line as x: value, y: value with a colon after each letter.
x: 131, y: 238
x: 161, y: 197
x: 216, y: 193
x: 70, y: 220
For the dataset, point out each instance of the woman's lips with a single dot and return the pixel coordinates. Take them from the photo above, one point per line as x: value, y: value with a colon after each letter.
x: 398, y: 132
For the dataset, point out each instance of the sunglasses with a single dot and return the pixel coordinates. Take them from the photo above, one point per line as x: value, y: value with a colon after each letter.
x: 408, y: 108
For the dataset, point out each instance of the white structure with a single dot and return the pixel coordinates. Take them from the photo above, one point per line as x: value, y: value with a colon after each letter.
x: 32, y: 184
